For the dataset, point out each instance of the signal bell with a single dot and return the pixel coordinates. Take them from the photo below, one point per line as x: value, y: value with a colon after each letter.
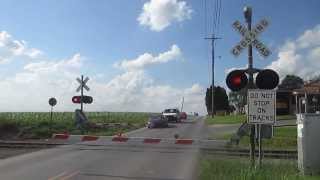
x: 236, y: 80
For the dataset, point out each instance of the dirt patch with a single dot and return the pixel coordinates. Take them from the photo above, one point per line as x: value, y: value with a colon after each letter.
x: 9, y: 131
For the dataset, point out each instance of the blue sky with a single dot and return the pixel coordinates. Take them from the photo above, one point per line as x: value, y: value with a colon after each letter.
x: 108, y: 32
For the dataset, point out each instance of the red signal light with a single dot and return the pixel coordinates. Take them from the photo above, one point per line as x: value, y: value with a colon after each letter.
x: 76, y: 99
x: 236, y: 80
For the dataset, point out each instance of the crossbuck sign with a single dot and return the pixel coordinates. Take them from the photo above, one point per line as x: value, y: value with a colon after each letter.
x: 250, y: 37
x: 83, y: 84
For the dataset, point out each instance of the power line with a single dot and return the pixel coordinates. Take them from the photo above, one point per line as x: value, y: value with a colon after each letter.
x: 219, y: 14
x: 206, y: 16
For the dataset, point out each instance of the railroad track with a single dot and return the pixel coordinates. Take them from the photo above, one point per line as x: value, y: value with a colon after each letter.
x: 278, y: 154
x: 27, y: 145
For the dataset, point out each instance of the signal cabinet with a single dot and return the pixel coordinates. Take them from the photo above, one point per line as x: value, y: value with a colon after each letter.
x: 308, y: 134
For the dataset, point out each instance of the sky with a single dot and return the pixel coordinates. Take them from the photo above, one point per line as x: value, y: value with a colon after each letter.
x: 141, y: 55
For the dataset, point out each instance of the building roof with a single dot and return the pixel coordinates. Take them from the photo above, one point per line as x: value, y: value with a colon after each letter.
x: 312, y: 87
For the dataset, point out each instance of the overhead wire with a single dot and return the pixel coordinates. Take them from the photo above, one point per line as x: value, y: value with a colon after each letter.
x: 219, y: 16
x: 212, y: 22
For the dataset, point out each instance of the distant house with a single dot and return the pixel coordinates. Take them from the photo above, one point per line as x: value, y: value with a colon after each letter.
x: 285, y: 102
x: 303, y: 100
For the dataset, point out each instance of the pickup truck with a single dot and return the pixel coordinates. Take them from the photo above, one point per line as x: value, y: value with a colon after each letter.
x: 172, y: 114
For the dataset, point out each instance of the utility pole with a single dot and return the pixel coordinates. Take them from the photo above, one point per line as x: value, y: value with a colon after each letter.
x: 248, y: 16
x: 182, y: 104
x: 213, y: 38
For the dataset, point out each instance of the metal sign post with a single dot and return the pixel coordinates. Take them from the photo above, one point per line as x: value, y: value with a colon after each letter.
x: 81, y: 101
x: 52, y: 102
x: 80, y: 88
x: 249, y: 39
x: 182, y: 104
x: 260, y: 145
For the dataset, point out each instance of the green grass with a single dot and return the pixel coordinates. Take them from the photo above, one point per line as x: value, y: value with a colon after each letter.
x: 286, y: 117
x: 214, y: 168
x: 284, y: 138
x: 229, y: 119
x: 37, y: 124
x: 238, y: 119
x: 223, y: 136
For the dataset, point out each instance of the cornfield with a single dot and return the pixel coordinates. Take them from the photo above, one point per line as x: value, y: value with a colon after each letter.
x: 40, y: 124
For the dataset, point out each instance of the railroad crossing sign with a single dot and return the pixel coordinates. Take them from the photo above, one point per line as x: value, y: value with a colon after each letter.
x: 261, y: 106
x: 83, y: 84
x: 250, y: 37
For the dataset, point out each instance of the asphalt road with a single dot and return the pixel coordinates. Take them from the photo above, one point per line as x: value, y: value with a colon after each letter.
x: 113, y: 161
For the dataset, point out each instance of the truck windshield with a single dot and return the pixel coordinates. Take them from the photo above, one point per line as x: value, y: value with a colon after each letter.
x: 170, y: 111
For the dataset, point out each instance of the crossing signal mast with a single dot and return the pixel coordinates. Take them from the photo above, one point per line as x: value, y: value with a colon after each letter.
x: 82, y: 98
x: 266, y: 79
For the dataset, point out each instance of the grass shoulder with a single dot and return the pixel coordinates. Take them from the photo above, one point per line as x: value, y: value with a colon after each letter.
x: 225, y: 168
x: 283, y: 138
x: 228, y: 119
x: 238, y: 119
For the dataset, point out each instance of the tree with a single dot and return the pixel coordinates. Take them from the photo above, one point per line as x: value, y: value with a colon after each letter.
x: 239, y: 100
x: 220, y: 99
x: 291, y: 82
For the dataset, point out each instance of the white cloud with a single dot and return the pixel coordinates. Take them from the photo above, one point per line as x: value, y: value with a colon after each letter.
x: 76, y: 61
x: 301, y: 56
x: 11, y: 49
x: 159, y: 14
x: 132, y: 90
x: 310, y: 38
x: 147, y: 59
x: 136, y: 91
x: 30, y: 89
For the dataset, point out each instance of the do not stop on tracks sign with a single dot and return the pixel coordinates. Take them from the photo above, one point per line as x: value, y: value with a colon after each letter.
x: 261, y: 106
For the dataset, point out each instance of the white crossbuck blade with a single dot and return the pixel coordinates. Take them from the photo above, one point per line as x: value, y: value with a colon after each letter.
x: 250, y: 37
x: 86, y: 87
x: 79, y: 80
x: 79, y: 88
x: 85, y: 80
